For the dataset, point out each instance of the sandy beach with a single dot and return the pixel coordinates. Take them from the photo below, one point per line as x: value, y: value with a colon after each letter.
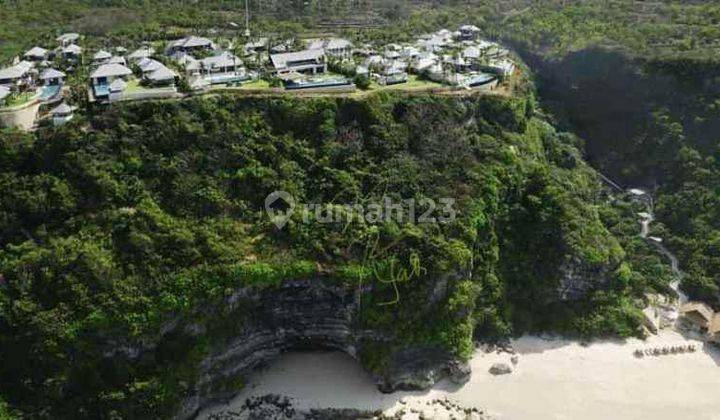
x: 554, y: 379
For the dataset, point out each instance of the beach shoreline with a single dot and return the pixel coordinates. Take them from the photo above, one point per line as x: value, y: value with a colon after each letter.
x: 555, y: 378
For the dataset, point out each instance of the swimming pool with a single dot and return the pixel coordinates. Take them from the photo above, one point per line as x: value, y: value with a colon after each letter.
x: 49, y: 92
x: 481, y: 79
x: 318, y: 83
x: 225, y: 78
x: 101, y: 90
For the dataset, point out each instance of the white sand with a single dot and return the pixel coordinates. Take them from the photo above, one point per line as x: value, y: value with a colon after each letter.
x: 554, y: 379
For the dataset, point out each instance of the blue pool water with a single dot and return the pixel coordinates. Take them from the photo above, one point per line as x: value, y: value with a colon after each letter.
x: 216, y: 80
x: 101, y: 90
x: 329, y: 82
x: 49, y: 92
x: 481, y: 79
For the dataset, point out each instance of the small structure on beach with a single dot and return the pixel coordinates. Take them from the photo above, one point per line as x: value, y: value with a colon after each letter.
x: 703, y: 319
x: 697, y: 315
x: 713, y: 333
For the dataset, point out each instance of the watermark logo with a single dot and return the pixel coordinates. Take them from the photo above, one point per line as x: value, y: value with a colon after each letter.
x: 280, y: 207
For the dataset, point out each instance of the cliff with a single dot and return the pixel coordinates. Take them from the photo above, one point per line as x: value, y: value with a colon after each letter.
x: 141, y: 273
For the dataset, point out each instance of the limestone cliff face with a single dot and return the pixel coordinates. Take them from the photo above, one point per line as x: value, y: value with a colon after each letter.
x: 301, y: 315
x: 578, y: 278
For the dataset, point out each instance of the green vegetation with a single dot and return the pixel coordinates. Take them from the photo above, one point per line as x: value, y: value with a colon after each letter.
x: 413, y: 83
x: 256, y: 84
x: 18, y: 99
x: 556, y: 27
x: 158, y: 211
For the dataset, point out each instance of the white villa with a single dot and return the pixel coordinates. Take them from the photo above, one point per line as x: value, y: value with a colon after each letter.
x: 148, y: 65
x: 257, y: 45
x: 36, y: 54
x: 18, y: 75
x: 62, y: 114
x: 140, y: 53
x: 423, y: 62
x: 68, y: 39
x: 502, y: 67
x: 189, y: 44
x: 161, y: 76
x: 307, y: 61
x: 117, y: 59
x: 52, y: 77
x: 72, y: 52
x: 334, y: 47
x: 101, y: 57
x: 156, y: 72
x: 105, y: 75
x: 222, y: 68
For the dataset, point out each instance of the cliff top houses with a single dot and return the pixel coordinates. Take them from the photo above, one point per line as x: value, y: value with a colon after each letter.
x: 456, y: 58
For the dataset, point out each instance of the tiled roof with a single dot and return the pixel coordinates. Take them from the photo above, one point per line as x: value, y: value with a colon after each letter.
x: 280, y: 60
x: 110, y: 70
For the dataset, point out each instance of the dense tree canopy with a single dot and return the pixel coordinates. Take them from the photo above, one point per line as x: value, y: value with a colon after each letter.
x: 157, y: 209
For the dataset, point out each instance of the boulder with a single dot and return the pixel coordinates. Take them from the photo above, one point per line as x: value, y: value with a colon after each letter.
x: 500, y: 369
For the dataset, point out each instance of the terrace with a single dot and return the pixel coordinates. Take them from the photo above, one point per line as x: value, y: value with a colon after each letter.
x: 50, y: 92
x: 413, y: 83
x: 134, y: 90
x: 20, y: 99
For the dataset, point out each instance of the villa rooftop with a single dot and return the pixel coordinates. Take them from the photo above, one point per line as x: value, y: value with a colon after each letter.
x: 51, y: 73
x: 111, y: 70
x: 14, y: 72
x: 280, y: 60
x: 72, y: 49
x: 68, y: 37
x: 141, y: 53
x: 36, y: 52
x: 102, y: 55
x: 62, y: 109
